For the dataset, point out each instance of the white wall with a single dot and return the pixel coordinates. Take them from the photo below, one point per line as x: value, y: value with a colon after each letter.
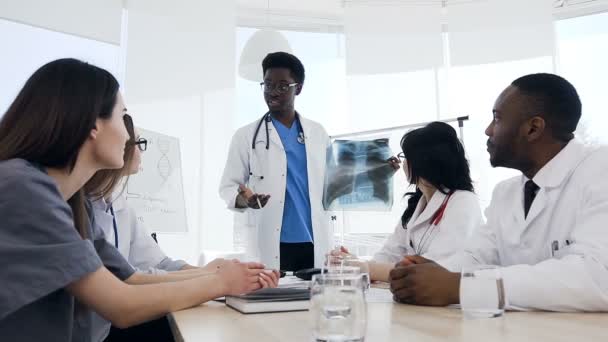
x: 31, y: 47
x: 95, y: 19
x: 217, y: 129
x: 179, y: 79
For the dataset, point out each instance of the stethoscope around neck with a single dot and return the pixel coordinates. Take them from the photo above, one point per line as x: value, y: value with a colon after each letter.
x: 426, y: 239
x: 266, y: 118
x: 115, y: 226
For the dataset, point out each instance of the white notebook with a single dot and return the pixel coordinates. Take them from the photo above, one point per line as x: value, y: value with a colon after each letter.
x: 271, y: 300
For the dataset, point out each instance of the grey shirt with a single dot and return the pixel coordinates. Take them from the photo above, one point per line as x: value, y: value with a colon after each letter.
x: 89, y: 323
x: 116, y: 263
x: 41, y: 252
x: 45, y: 253
x: 134, y: 243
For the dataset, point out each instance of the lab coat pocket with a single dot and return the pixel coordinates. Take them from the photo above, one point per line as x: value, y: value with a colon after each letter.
x: 559, y: 248
x: 252, y: 218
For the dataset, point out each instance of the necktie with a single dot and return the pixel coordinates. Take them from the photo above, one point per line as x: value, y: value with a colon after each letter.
x: 530, y: 190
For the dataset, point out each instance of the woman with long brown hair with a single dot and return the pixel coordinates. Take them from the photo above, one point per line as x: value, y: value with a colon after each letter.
x: 65, y: 125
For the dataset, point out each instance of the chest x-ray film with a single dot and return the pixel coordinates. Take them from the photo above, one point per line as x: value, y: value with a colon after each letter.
x: 358, y: 176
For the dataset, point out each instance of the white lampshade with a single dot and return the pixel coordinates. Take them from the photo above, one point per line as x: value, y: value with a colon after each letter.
x: 258, y: 46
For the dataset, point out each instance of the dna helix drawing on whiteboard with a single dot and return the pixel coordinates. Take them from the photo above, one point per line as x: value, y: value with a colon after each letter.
x: 156, y: 192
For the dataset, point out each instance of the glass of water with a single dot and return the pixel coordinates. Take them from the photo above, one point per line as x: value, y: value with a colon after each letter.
x: 363, y: 268
x: 348, y: 265
x: 482, y: 294
x: 338, y: 308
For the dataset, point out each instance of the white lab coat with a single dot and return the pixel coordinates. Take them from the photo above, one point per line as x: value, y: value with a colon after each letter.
x: 263, y: 226
x: 570, y: 210
x: 134, y: 241
x: 443, y: 243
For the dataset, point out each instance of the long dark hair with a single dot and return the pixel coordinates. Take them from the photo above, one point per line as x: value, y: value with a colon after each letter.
x: 104, y: 182
x: 434, y: 153
x: 53, y: 115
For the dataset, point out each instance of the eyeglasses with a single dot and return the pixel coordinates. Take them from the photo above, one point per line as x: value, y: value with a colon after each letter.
x: 401, y: 156
x: 141, y: 143
x: 281, y: 88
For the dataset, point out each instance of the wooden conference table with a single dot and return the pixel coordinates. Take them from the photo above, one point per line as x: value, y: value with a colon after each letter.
x: 390, y: 322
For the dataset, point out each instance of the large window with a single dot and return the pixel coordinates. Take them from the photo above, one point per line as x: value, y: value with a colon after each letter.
x: 582, y: 56
x: 348, y: 103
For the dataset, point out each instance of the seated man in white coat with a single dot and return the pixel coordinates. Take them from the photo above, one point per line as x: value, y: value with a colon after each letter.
x: 547, y: 227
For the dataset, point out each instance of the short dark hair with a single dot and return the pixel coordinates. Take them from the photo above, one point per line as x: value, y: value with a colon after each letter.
x: 555, y: 99
x: 435, y: 153
x: 284, y: 60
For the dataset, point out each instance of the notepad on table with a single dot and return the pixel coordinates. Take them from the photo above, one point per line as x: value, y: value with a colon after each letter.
x: 271, y: 300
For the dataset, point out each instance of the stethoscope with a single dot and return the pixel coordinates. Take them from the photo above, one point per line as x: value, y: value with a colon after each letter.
x: 266, y: 118
x: 115, y: 226
x: 425, y: 239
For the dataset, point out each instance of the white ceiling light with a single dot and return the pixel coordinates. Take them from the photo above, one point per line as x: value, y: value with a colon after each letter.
x: 262, y: 42
x: 258, y: 46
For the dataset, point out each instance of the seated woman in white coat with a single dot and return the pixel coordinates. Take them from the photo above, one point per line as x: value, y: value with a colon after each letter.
x: 121, y: 229
x: 443, y: 210
x: 119, y: 222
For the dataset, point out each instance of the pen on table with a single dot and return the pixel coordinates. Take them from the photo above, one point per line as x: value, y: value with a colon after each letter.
x: 281, y: 272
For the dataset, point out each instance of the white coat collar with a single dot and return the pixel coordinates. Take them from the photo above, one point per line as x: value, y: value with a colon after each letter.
x: 557, y: 170
x: 120, y: 203
x: 101, y: 204
x: 274, y: 135
x: 422, y: 215
x: 550, y: 176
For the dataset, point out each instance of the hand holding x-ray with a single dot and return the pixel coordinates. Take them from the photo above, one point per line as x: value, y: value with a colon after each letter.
x: 394, y: 163
x: 359, y: 175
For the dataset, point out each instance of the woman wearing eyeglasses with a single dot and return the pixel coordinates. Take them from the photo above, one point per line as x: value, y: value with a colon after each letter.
x: 121, y: 229
x: 119, y: 222
x: 64, y: 125
x: 443, y: 210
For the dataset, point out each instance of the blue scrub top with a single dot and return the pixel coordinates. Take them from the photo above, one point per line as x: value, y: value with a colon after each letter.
x: 297, y: 223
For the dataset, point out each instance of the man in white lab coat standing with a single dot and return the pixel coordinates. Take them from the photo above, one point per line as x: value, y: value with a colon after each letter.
x: 548, y: 227
x: 275, y: 172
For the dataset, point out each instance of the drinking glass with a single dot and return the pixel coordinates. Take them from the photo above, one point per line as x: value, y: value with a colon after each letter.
x: 349, y: 264
x: 482, y: 294
x: 338, y: 308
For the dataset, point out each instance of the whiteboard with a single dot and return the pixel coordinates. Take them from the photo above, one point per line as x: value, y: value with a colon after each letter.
x: 156, y: 192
